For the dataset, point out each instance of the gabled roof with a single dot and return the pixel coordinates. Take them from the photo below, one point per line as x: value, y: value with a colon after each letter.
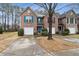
x: 28, y: 8
x: 71, y: 11
x: 64, y: 14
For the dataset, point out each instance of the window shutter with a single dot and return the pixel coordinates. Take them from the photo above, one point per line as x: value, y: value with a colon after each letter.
x: 67, y: 20
x: 32, y: 19
x: 24, y: 19
x: 75, y: 21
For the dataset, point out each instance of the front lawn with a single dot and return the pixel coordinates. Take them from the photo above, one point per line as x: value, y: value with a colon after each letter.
x: 6, y: 39
x: 55, y: 45
x: 73, y: 36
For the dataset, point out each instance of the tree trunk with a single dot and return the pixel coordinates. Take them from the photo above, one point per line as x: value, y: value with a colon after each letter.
x: 8, y: 22
x: 50, y: 27
x: 5, y: 23
x: 2, y: 20
x: 15, y: 20
x: 12, y: 20
x: 15, y: 24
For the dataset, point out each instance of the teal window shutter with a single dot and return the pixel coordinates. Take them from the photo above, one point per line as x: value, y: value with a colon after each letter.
x: 32, y: 19
x: 24, y: 19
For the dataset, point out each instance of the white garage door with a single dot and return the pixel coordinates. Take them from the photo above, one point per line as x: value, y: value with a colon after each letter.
x: 72, y: 30
x: 28, y: 31
x: 53, y: 30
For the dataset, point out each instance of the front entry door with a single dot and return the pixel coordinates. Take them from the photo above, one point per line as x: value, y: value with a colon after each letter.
x: 60, y: 29
x: 39, y: 28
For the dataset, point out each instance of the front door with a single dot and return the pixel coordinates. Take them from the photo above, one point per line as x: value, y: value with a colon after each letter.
x: 60, y: 29
x: 39, y: 28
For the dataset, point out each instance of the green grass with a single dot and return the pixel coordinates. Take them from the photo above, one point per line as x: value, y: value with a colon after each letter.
x: 69, y: 43
x: 73, y: 36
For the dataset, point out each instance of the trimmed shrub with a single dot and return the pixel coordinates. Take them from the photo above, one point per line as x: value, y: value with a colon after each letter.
x: 57, y: 32
x: 44, y: 32
x: 77, y: 32
x: 66, y: 32
x: 20, y: 32
x: 35, y: 33
x: 1, y: 30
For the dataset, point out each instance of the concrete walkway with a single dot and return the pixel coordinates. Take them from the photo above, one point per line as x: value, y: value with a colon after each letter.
x: 24, y: 47
x: 74, y: 40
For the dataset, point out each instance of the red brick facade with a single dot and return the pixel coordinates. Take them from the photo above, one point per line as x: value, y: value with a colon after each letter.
x: 25, y: 13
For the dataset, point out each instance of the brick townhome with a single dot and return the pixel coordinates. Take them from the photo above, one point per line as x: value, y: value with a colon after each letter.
x: 32, y: 22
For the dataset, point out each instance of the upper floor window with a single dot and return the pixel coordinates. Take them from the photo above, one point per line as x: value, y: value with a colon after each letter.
x: 28, y: 19
x: 71, y: 20
x: 40, y: 20
x: 53, y: 20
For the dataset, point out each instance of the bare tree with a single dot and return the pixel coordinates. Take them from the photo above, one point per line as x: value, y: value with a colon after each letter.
x: 50, y: 8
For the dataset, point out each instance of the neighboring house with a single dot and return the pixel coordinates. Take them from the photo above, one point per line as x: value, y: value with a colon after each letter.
x: 70, y: 22
x: 54, y: 23
x: 33, y: 22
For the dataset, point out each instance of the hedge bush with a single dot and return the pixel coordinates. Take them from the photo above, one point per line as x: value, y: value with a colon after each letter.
x: 1, y: 30
x: 44, y: 32
x: 57, y: 32
x: 20, y: 32
x: 66, y: 32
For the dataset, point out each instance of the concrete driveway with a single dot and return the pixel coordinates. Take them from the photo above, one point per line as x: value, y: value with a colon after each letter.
x: 24, y: 47
x: 28, y: 47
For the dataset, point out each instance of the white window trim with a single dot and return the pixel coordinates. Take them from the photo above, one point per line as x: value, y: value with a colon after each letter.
x: 69, y: 20
x: 74, y: 21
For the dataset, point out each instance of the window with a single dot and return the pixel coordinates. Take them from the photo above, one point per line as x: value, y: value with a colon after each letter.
x: 53, y: 20
x: 40, y: 20
x: 28, y: 19
x: 71, y: 20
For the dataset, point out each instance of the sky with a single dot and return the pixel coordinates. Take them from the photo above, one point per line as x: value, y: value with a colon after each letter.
x: 61, y: 7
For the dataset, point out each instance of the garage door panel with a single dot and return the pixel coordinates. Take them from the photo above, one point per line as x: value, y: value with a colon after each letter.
x: 28, y: 31
x: 72, y: 30
x: 53, y: 30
